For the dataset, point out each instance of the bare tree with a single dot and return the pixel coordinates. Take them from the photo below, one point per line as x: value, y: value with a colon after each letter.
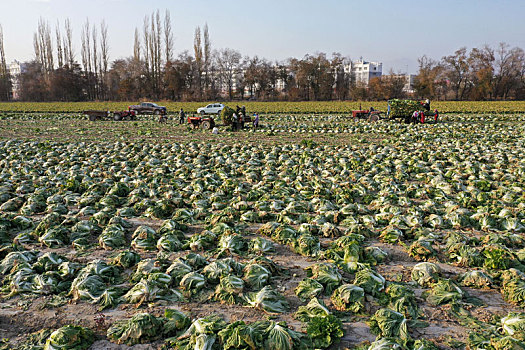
x: 104, y: 58
x: 3, y: 65
x: 43, y: 46
x: 157, y: 53
x: 60, y: 53
x: 104, y: 47
x: 69, y: 56
x: 5, y: 81
x: 136, y: 46
x: 507, y: 70
x: 95, y: 57
x: 427, y: 80
x: 86, y: 47
x: 49, y: 49
x: 207, y: 60
x: 458, y: 71
x: 147, y: 44
x: 228, y: 63
x: 197, y: 50
x: 152, y: 31
x: 168, y: 38
x: 481, y: 61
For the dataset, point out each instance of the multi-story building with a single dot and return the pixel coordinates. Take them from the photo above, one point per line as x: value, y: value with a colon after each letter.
x: 407, y: 78
x: 364, y: 71
x: 15, y: 69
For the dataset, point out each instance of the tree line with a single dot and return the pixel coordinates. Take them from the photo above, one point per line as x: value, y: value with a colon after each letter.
x: 154, y: 72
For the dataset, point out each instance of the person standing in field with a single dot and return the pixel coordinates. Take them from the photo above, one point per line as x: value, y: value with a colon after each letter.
x: 235, y: 120
x: 255, y: 120
x: 182, y: 116
x: 426, y: 105
x: 241, y: 121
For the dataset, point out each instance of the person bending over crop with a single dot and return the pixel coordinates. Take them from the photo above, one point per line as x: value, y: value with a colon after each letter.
x: 426, y: 105
x: 415, y: 117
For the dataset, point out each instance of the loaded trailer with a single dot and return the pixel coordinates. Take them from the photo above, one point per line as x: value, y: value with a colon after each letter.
x: 108, y: 115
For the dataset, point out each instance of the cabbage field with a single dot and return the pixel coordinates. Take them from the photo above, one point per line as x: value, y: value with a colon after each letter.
x: 311, y: 232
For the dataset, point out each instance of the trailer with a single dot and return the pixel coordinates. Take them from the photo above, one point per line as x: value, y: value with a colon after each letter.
x: 404, y: 110
x: 399, y: 110
x: 108, y: 115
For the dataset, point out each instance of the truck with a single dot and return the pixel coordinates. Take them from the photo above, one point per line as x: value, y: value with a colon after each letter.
x: 148, y: 108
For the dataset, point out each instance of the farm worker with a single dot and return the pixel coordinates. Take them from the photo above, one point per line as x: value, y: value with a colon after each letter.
x: 182, y: 116
x: 422, y: 115
x: 388, y: 110
x: 215, y: 131
x: 426, y: 105
x: 234, y: 121
x: 436, y: 115
x: 241, y: 121
x: 255, y: 120
x: 415, y: 116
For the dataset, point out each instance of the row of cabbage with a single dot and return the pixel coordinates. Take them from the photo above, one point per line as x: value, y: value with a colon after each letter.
x: 315, y: 107
x: 401, y: 194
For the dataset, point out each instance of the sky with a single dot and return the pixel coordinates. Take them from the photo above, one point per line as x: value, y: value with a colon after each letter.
x: 395, y: 32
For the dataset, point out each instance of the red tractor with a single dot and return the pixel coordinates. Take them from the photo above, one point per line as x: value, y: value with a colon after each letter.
x: 370, y: 115
x: 203, y: 122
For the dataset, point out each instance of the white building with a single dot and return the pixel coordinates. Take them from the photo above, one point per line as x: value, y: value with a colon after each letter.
x: 409, y: 83
x: 364, y: 71
x: 408, y: 79
x: 15, y: 69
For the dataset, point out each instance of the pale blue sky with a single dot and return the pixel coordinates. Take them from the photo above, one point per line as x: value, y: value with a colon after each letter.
x: 393, y: 32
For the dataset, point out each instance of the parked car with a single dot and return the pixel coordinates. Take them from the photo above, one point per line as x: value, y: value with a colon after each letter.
x: 212, y: 108
x: 148, y: 108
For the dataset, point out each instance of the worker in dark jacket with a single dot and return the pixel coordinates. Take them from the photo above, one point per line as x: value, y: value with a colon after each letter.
x: 235, y: 121
x: 426, y: 105
x: 182, y: 116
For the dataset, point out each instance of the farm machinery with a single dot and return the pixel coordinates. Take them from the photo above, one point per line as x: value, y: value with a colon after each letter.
x: 108, y: 115
x: 203, y: 122
x: 367, y: 114
x: 207, y: 122
x: 399, y: 109
x: 406, y: 111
